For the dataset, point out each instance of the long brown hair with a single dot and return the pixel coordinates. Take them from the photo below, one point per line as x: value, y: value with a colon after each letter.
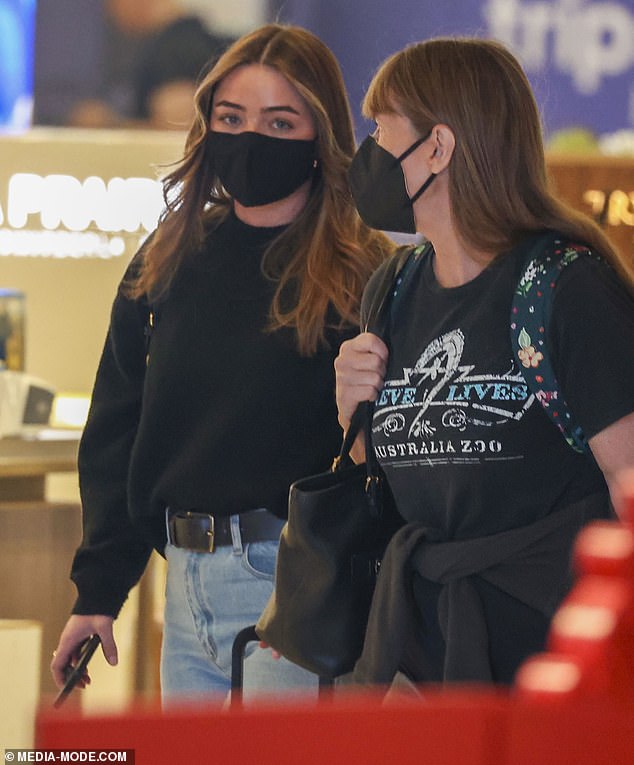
x: 322, y: 260
x: 498, y: 184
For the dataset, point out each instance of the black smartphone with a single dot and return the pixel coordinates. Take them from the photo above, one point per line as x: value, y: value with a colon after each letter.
x: 74, y: 674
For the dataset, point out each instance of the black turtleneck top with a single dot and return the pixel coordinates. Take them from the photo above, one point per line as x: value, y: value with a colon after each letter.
x: 224, y: 418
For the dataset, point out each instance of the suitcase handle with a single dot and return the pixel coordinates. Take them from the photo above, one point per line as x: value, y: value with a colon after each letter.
x: 242, y: 639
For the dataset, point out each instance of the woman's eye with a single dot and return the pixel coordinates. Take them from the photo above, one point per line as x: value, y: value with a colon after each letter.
x: 231, y: 120
x: 281, y: 124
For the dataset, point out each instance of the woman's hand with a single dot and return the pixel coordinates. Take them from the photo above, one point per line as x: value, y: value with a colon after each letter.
x: 77, y: 629
x: 360, y: 371
x: 275, y: 654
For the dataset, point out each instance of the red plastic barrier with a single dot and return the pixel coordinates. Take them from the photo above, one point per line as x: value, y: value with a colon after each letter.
x: 457, y: 728
x: 599, y: 732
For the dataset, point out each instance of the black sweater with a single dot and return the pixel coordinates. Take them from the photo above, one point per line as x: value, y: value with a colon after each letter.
x: 224, y: 418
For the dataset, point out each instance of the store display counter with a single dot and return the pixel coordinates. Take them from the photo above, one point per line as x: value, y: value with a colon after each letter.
x: 26, y: 461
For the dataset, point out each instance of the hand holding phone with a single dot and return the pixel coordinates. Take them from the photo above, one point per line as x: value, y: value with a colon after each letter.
x: 76, y: 673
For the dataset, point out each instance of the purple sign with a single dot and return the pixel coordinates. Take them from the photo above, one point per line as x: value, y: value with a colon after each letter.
x: 578, y: 54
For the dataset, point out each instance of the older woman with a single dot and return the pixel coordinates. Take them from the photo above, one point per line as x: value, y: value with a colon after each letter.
x: 492, y: 493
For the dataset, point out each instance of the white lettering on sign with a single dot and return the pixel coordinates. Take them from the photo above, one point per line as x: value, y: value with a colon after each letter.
x: 23, y: 243
x: 615, y: 207
x: 590, y: 40
x: 121, y: 204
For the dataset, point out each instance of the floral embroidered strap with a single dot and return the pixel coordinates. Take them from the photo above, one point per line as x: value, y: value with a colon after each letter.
x: 530, y: 312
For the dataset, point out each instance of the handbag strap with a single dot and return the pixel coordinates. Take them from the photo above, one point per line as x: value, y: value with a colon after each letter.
x: 359, y: 419
x: 362, y: 418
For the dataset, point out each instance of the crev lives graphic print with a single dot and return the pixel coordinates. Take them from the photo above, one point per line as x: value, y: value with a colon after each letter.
x: 444, y: 411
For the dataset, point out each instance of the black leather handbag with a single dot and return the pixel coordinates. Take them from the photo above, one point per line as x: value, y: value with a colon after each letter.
x: 330, y: 550
x: 339, y: 523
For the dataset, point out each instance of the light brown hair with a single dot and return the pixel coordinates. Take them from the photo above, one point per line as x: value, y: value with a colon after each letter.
x: 498, y: 184
x: 322, y: 261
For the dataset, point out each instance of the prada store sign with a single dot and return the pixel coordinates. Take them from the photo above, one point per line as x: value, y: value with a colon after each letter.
x: 75, y: 194
x: 61, y: 215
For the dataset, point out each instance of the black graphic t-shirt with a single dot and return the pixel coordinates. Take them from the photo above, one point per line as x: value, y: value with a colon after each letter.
x: 467, y: 449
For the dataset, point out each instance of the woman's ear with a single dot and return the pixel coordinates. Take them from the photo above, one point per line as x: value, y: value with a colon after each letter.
x: 443, y: 143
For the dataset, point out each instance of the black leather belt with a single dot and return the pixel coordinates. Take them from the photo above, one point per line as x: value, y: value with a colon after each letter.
x: 203, y: 532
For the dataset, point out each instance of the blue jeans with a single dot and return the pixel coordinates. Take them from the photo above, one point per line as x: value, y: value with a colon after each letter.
x: 210, y: 597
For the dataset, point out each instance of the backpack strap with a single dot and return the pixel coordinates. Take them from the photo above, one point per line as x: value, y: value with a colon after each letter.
x: 530, y: 313
x: 384, y: 286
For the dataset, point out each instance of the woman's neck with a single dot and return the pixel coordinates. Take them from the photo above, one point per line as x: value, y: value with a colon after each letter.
x: 455, y: 263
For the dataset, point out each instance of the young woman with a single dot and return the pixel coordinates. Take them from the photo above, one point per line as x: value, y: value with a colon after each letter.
x: 492, y: 492
x: 216, y: 386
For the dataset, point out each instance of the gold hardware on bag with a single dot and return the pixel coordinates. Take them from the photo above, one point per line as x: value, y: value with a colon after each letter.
x: 371, y: 479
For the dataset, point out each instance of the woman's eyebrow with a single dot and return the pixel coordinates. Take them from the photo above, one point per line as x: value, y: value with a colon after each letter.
x: 265, y: 110
x: 281, y: 109
x: 230, y: 105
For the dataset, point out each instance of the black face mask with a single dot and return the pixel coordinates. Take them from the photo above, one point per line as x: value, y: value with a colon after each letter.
x: 257, y: 169
x: 378, y: 187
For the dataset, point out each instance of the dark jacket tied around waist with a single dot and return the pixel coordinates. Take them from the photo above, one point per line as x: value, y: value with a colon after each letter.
x: 531, y: 563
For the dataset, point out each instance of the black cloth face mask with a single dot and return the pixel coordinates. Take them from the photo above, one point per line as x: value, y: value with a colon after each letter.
x: 257, y: 169
x: 379, y: 190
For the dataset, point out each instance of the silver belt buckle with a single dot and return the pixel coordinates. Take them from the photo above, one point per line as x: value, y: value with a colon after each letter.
x: 211, y: 533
